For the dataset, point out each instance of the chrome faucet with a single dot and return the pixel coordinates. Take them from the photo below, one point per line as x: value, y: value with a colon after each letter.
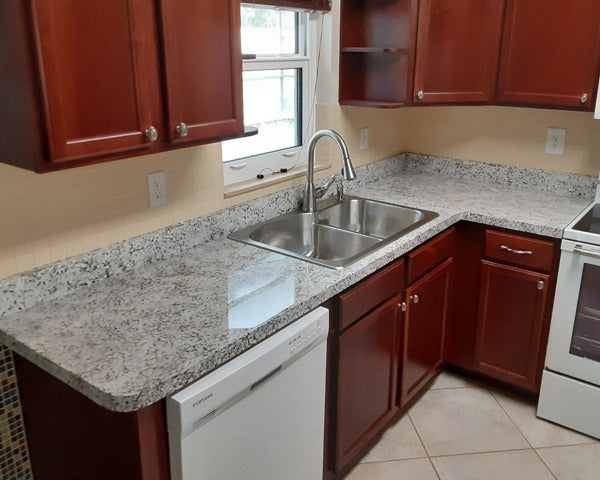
x: 309, y: 204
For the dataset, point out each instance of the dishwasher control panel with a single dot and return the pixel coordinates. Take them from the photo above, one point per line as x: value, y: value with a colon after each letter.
x: 306, y: 337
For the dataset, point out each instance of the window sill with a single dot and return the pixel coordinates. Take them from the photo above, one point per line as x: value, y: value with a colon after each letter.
x: 241, y: 188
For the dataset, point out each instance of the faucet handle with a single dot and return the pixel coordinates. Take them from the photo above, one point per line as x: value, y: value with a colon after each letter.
x: 319, y: 192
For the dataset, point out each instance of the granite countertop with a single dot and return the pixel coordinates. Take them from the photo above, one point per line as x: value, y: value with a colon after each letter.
x: 133, y: 339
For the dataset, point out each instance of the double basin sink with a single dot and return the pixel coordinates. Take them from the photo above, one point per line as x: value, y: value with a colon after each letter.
x: 338, y: 233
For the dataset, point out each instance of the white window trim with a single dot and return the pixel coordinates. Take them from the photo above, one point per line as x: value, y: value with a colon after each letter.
x: 244, y: 169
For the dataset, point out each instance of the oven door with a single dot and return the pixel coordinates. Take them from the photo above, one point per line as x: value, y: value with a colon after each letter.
x: 574, y: 341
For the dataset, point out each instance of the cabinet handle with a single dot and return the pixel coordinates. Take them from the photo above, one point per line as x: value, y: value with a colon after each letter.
x: 541, y: 285
x: 182, y: 129
x: 420, y: 95
x: 584, y: 97
x: 516, y: 252
x: 402, y: 306
x: 151, y: 134
x: 414, y: 298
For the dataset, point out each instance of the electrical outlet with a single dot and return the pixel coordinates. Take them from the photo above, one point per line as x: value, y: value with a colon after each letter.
x: 364, y: 138
x: 157, y: 189
x: 555, y: 141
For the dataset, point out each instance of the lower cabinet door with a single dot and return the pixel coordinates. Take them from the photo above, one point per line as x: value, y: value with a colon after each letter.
x: 367, y: 377
x: 512, y: 308
x: 427, y: 308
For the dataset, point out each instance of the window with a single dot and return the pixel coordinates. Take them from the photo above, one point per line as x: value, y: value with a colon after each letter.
x: 277, y: 97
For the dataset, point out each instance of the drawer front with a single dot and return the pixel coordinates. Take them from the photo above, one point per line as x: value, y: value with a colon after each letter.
x: 431, y: 254
x: 517, y: 250
x: 370, y: 293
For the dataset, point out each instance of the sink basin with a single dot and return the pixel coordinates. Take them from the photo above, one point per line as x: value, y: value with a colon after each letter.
x: 336, y: 235
x: 373, y: 218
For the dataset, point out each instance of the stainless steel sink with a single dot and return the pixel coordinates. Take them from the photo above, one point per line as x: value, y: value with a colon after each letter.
x: 373, y: 218
x: 337, y: 234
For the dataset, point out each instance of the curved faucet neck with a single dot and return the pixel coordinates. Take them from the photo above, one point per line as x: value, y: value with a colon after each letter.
x: 309, y: 203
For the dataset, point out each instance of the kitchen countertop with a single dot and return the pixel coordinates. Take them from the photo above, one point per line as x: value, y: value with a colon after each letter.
x: 133, y: 339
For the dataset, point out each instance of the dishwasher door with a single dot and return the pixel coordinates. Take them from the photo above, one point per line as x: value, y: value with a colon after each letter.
x: 258, y: 417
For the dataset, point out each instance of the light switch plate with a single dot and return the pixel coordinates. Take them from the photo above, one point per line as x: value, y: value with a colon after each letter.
x: 555, y: 141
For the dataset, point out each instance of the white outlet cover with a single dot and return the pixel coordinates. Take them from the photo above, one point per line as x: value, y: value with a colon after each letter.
x: 555, y: 141
x: 157, y: 189
x: 364, y: 138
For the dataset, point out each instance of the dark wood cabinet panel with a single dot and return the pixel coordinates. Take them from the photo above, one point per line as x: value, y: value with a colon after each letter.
x: 366, y: 380
x: 428, y: 256
x: 423, y: 335
x: 72, y: 438
x: 551, y: 53
x: 99, y: 65
x: 370, y: 293
x: 519, y: 250
x: 88, y: 82
x: 461, y: 325
x: 203, y: 63
x: 512, y: 307
x: 377, y: 52
x: 458, y: 45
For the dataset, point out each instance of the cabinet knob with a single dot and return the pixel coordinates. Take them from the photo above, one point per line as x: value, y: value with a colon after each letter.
x: 420, y: 95
x: 402, y: 306
x: 414, y: 298
x: 151, y: 134
x: 182, y: 129
x: 584, y: 97
x: 541, y: 285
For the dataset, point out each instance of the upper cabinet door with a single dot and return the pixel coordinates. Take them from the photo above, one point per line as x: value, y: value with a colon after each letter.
x: 100, y: 75
x: 203, y: 68
x: 457, y: 51
x: 551, y: 53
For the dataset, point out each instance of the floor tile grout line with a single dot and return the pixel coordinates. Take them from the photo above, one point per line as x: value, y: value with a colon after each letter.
x: 545, y: 464
x: 418, y: 434
x: 524, y: 436
x: 437, y: 474
x: 511, y: 419
x: 481, y: 452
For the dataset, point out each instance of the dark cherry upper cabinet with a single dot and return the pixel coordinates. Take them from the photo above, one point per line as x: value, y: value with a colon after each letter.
x: 377, y: 52
x: 458, y: 44
x: 86, y: 82
x: 366, y: 380
x: 203, y: 64
x: 424, y: 325
x: 551, y: 53
x: 513, y: 304
x: 92, y: 88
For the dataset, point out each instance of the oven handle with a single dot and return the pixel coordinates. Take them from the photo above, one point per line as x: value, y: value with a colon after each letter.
x: 588, y: 253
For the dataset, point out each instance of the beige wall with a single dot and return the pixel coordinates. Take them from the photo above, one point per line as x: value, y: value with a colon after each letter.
x: 53, y: 216
x: 505, y: 135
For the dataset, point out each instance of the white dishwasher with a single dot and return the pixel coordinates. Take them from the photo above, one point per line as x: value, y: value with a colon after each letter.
x: 259, y: 416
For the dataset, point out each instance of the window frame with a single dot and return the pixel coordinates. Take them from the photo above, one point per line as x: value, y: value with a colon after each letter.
x: 246, y: 168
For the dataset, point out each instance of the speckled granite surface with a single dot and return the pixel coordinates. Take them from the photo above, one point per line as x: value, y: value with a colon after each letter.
x: 152, y: 328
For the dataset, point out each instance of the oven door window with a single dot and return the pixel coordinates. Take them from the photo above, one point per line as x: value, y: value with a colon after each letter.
x: 585, y: 341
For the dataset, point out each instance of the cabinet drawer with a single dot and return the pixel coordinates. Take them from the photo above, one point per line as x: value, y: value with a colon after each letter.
x: 370, y: 293
x: 517, y: 250
x: 431, y: 254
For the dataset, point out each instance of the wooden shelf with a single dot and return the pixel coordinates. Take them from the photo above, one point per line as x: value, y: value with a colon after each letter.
x: 377, y: 45
x: 372, y: 103
x: 398, y: 50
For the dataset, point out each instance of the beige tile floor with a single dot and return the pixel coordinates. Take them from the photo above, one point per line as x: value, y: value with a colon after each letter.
x: 461, y: 430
